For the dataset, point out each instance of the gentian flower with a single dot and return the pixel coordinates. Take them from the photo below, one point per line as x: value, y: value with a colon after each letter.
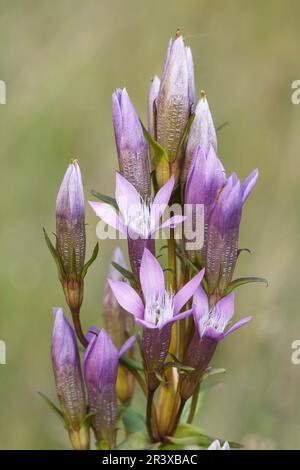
x: 68, y: 379
x: 70, y: 234
x: 216, y: 445
x: 223, y: 200
x: 202, y: 132
x: 138, y: 219
x: 120, y: 326
x: 174, y: 102
x: 100, y: 368
x: 131, y: 144
x: 210, y: 324
x: 157, y: 313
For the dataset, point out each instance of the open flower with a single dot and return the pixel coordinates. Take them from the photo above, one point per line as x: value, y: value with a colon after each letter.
x: 210, y: 328
x: 160, y: 309
x: 216, y: 445
x: 100, y: 368
x: 138, y: 219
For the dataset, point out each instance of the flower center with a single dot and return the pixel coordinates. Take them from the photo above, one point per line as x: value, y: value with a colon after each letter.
x: 139, y: 218
x: 159, y: 310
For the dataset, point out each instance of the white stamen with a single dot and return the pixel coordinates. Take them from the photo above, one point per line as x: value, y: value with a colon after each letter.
x: 139, y: 218
x: 213, y: 319
x: 159, y: 310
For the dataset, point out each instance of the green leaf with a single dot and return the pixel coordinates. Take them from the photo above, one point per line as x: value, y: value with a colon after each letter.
x: 179, y: 365
x: 103, y: 198
x: 189, y: 434
x: 86, y: 422
x: 131, y: 363
x: 125, y: 273
x: 219, y: 128
x: 243, y: 280
x: 90, y: 261
x: 187, y: 406
x: 73, y: 259
x: 136, y: 441
x: 133, y: 420
x: 53, y: 407
x: 210, y: 372
x: 181, y: 148
x: 160, y: 378
x: 241, y: 250
x: 55, y: 255
x: 159, y: 153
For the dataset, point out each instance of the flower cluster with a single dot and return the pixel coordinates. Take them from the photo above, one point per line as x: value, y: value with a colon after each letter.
x: 175, y: 308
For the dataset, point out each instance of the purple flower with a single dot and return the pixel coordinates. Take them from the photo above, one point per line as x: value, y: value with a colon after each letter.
x: 68, y: 379
x: 173, y: 102
x: 223, y: 231
x: 138, y: 219
x: 131, y: 144
x: 216, y: 445
x: 210, y: 324
x: 202, y: 132
x: 70, y: 219
x: 158, y: 312
x: 120, y: 325
x: 100, y: 374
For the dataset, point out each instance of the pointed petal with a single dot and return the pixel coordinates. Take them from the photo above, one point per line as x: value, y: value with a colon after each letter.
x: 108, y: 215
x: 127, y: 298
x: 187, y: 291
x: 238, y: 325
x: 151, y: 276
x: 173, y: 221
x: 200, y: 306
x: 146, y: 324
x: 179, y: 316
x: 126, y: 195
x: 126, y: 346
x: 224, y: 309
x: 249, y: 184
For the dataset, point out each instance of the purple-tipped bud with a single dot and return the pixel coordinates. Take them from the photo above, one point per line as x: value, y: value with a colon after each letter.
x: 173, y: 102
x: 202, y: 132
x: 68, y: 379
x: 120, y: 326
x: 222, y: 236
x: 100, y: 373
x: 152, y: 109
x: 131, y: 144
x: 70, y: 219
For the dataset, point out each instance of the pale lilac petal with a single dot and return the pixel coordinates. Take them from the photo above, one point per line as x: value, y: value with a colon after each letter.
x: 127, y: 298
x: 200, y: 306
x: 126, y: 195
x: 126, y: 346
x: 249, y: 184
x: 164, y: 194
x: 238, y: 324
x: 224, y: 309
x: 151, y: 276
x: 187, y: 291
x: 179, y: 316
x: 173, y: 221
x: 146, y: 324
x: 107, y: 213
x: 92, y: 332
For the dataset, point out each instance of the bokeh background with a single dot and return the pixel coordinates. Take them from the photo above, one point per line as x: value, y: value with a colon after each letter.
x: 61, y: 61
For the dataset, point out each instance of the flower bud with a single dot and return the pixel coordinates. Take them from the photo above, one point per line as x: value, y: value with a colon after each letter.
x: 131, y: 144
x: 100, y: 373
x: 68, y: 379
x: 152, y: 110
x: 70, y: 234
x: 202, y: 132
x: 120, y: 326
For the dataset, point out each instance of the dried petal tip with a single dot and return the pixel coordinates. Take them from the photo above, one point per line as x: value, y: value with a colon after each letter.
x: 177, y: 33
x: 202, y: 93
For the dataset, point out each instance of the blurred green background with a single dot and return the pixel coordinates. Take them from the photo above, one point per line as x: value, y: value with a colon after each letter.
x: 61, y: 61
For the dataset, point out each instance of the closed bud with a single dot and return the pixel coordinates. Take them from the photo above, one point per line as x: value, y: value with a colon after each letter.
x: 202, y: 132
x: 131, y: 144
x: 68, y: 379
x: 70, y: 234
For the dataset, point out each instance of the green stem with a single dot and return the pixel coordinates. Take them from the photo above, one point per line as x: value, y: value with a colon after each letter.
x: 149, y: 415
x: 78, y: 328
x: 193, y: 405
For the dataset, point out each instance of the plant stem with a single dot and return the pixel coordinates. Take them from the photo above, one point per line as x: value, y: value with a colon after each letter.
x: 149, y: 414
x: 172, y: 260
x: 193, y: 405
x: 177, y: 417
x: 136, y: 375
x: 78, y: 328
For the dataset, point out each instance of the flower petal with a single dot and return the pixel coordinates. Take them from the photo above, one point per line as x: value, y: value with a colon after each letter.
x: 127, y: 298
x: 179, y: 316
x: 173, y: 221
x: 108, y: 215
x: 126, y: 346
x: 126, y: 195
x: 187, y: 291
x: 238, y: 324
x: 151, y: 276
x: 200, y: 307
x: 249, y: 184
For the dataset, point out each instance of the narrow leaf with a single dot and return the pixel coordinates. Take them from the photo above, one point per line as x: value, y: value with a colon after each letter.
x: 244, y: 280
x: 103, y: 198
x: 160, y: 154
x: 125, y: 273
x: 55, y: 255
x: 241, y: 250
x: 211, y: 372
x: 181, y: 147
x: 90, y: 261
x: 53, y: 407
x: 131, y: 363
